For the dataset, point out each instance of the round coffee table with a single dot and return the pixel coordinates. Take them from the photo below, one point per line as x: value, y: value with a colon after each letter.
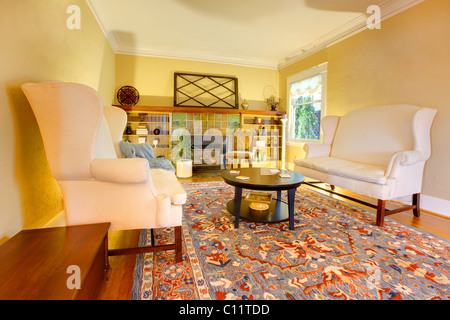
x: 263, y: 179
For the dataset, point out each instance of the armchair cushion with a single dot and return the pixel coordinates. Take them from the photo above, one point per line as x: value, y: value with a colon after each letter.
x: 166, y: 183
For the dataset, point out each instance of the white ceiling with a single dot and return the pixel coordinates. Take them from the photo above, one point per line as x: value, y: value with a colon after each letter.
x: 260, y: 33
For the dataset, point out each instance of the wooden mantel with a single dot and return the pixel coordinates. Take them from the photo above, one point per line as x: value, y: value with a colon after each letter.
x: 200, y: 110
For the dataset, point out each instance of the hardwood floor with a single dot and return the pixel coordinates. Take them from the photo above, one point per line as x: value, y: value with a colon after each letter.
x: 119, y: 285
x: 120, y: 280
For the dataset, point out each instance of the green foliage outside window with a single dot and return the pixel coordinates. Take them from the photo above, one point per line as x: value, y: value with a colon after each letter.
x: 307, y: 119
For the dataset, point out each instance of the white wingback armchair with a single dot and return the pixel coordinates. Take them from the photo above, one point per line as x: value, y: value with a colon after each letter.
x: 81, y: 139
x: 375, y: 151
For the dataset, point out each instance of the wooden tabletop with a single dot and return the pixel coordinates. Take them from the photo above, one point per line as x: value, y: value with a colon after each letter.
x: 263, y: 179
x: 33, y: 264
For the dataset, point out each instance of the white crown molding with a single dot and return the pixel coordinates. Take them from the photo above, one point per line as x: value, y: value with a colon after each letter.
x: 99, y: 12
x: 389, y: 8
x: 350, y: 28
x: 198, y: 57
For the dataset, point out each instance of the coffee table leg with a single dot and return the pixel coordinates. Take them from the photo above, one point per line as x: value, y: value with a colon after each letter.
x: 291, y: 204
x: 237, y: 206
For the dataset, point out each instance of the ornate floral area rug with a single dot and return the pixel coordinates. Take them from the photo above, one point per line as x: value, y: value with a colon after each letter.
x: 335, y: 252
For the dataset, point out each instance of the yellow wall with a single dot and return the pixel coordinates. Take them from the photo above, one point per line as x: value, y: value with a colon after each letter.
x: 154, y: 78
x: 406, y: 61
x: 37, y: 46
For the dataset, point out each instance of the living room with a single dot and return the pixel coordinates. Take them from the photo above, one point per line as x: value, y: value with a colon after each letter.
x: 403, y: 62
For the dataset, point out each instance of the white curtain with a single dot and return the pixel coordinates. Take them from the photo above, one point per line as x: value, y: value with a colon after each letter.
x: 309, y: 86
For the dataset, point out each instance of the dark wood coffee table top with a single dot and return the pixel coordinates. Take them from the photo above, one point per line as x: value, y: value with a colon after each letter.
x: 263, y: 179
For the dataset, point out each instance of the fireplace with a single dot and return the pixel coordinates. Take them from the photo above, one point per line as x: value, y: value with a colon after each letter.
x: 207, y: 152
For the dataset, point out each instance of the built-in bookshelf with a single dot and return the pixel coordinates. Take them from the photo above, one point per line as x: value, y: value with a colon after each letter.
x: 156, y: 125
x: 153, y: 128
x: 268, y: 138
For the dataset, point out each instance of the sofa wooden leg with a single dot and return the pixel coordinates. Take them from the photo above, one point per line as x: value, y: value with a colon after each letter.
x: 178, y: 245
x: 416, y: 204
x: 381, y: 210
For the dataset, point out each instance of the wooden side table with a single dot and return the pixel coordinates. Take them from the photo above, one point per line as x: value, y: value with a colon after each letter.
x: 34, y: 263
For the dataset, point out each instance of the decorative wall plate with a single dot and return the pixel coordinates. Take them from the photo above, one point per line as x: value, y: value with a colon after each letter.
x: 128, y: 96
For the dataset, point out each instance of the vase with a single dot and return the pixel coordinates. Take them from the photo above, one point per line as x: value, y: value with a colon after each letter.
x: 244, y: 105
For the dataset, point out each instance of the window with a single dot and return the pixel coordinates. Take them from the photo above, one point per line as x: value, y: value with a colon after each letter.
x: 306, y: 94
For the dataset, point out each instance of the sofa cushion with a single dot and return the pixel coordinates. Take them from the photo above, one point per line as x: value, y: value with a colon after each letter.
x: 346, y: 168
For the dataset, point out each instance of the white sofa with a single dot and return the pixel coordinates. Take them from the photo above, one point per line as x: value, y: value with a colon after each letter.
x: 375, y: 151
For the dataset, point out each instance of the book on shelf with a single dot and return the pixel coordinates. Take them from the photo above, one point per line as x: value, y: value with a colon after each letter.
x: 142, y: 130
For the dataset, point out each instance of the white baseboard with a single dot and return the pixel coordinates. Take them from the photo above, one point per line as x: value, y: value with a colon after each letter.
x: 435, y: 205
x: 428, y: 203
x: 58, y: 221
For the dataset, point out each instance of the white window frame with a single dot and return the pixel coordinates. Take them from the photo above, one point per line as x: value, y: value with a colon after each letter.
x: 320, y: 69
